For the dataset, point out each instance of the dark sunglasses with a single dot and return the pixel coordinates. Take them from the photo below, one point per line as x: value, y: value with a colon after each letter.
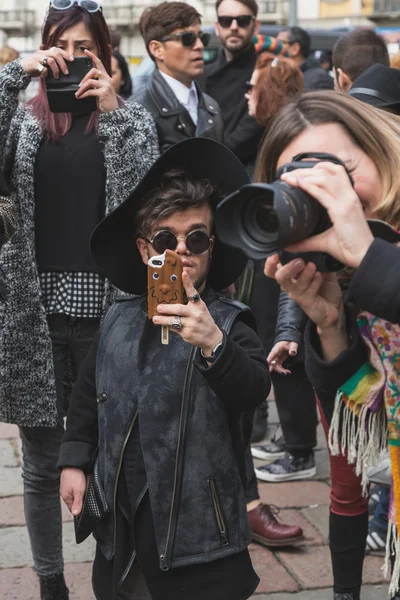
x: 249, y: 87
x: 242, y: 21
x: 188, y: 38
x: 197, y: 241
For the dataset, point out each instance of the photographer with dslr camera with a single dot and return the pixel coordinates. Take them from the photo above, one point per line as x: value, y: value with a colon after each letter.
x: 351, y: 355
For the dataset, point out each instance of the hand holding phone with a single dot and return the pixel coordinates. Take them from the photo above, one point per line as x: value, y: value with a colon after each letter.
x: 164, y: 284
x: 57, y: 60
x: 61, y: 91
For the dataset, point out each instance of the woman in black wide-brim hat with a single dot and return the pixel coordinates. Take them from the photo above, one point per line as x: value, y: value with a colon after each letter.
x: 172, y: 476
x: 113, y: 243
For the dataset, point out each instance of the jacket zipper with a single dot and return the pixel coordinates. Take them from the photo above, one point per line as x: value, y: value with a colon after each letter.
x: 118, y: 472
x: 218, y: 512
x: 165, y: 557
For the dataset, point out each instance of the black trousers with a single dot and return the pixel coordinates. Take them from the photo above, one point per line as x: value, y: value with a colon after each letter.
x: 297, y: 410
x: 294, y: 395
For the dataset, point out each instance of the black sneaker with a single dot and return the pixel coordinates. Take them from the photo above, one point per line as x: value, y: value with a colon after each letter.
x: 376, y: 540
x: 288, y: 468
x: 275, y: 449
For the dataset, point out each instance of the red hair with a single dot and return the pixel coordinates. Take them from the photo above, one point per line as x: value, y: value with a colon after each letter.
x: 279, y: 80
x: 55, y: 125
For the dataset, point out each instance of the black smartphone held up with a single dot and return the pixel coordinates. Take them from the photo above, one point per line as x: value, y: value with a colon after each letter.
x: 61, y: 92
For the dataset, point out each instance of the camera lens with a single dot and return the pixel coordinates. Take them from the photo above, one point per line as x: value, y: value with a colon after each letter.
x: 267, y: 219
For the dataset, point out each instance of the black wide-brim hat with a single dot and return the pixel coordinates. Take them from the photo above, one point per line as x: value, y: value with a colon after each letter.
x: 378, y: 86
x: 113, y: 243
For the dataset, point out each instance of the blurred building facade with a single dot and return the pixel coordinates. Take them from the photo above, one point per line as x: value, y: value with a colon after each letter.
x: 21, y: 20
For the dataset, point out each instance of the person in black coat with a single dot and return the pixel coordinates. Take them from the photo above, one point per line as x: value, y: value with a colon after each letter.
x: 274, y: 82
x: 225, y: 78
x: 174, y: 40
x: 368, y: 141
x: 315, y: 77
x: 167, y: 418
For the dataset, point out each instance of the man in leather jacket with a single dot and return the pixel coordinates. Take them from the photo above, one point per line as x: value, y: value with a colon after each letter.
x: 166, y: 419
x: 174, y: 41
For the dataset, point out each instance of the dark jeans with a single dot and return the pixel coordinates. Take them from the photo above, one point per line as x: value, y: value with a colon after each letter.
x: 297, y: 410
x: 294, y: 394
x: 71, y: 339
x: 380, y: 519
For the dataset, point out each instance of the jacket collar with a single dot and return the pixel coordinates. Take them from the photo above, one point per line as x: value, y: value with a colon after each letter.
x: 166, y: 101
x: 242, y: 60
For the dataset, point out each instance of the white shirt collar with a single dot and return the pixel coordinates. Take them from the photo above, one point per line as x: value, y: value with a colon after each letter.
x: 186, y: 96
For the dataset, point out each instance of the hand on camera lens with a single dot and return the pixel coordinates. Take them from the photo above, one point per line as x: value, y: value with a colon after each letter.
x: 319, y: 295
x: 39, y: 63
x: 350, y: 237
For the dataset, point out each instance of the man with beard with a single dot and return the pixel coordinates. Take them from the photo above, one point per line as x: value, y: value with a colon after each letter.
x: 225, y: 79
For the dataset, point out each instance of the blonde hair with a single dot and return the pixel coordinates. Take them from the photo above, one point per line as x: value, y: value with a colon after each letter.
x: 7, y: 55
x: 375, y: 131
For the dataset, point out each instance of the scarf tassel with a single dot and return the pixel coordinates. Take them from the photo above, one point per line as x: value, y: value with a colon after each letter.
x: 362, y: 438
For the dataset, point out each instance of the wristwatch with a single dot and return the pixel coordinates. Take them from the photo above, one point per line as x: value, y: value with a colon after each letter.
x: 216, y: 351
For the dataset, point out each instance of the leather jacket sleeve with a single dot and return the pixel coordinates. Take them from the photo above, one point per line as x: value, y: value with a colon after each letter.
x: 291, y: 321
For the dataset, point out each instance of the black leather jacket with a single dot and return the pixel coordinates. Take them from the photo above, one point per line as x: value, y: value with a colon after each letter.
x: 190, y: 427
x: 291, y: 321
x: 173, y: 121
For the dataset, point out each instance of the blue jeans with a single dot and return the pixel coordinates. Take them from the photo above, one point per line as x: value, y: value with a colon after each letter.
x: 71, y: 339
x: 379, y: 521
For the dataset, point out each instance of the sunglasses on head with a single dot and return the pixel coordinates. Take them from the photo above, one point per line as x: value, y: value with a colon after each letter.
x: 197, y: 241
x: 243, y: 21
x: 90, y: 5
x: 188, y: 38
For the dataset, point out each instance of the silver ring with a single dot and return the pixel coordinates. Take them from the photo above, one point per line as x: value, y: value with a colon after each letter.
x: 40, y: 68
x: 273, y: 362
x: 176, y: 323
x: 44, y: 61
x: 194, y: 298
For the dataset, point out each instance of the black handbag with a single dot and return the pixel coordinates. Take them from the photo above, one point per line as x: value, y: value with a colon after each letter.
x: 94, y: 508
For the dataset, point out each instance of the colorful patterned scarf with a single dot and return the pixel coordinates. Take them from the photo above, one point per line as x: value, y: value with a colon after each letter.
x: 367, y: 418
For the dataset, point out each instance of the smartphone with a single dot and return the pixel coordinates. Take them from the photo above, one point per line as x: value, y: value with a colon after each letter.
x: 164, y: 281
x: 61, y: 92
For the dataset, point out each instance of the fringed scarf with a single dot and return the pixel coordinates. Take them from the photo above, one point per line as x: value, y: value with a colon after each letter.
x: 367, y: 418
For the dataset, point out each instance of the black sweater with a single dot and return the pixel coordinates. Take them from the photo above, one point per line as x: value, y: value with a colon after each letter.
x: 375, y: 286
x: 326, y: 377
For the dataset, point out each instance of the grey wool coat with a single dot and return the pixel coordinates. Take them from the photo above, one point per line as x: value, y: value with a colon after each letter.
x: 130, y: 146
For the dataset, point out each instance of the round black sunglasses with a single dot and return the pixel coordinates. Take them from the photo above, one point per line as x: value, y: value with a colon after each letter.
x: 197, y: 241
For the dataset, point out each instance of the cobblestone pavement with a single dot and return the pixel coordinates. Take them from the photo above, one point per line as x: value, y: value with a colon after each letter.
x: 303, y: 573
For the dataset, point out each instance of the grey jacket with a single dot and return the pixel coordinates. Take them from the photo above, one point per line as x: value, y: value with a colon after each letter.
x: 173, y: 121
x: 27, y: 385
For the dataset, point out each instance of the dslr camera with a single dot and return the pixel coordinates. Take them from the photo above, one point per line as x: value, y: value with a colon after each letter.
x: 263, y: 219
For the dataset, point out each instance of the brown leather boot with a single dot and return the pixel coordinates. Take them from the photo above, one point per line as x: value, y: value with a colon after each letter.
x: 267, y: 530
